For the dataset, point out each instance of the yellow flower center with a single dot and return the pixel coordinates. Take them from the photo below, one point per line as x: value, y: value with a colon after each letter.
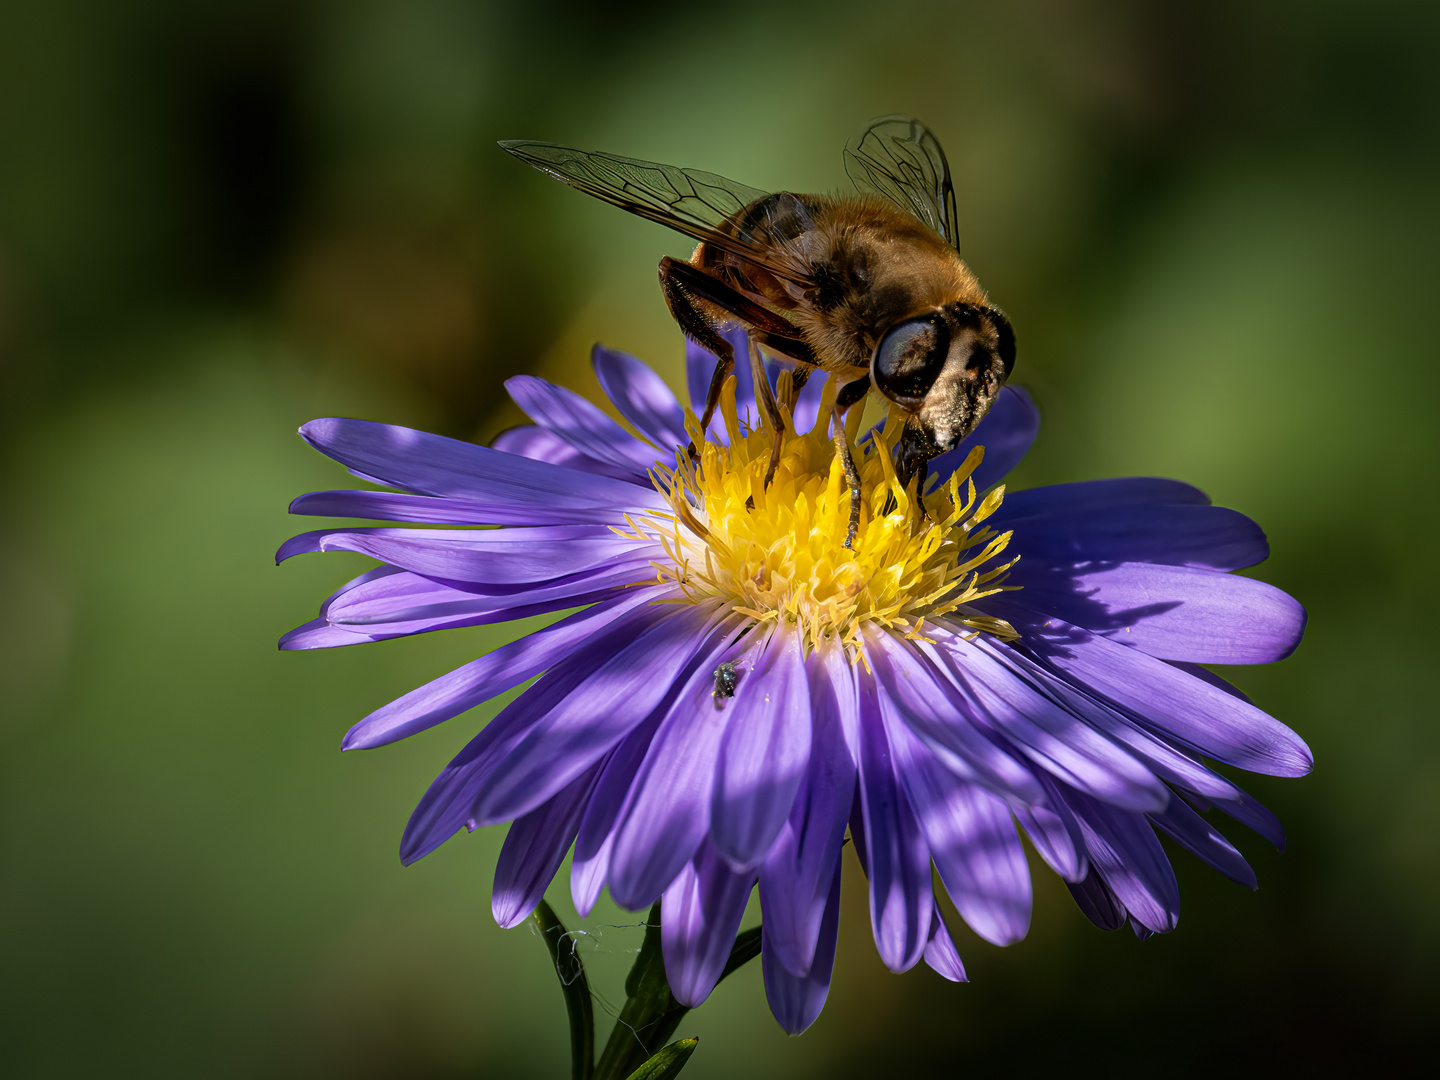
x: 779, y: 553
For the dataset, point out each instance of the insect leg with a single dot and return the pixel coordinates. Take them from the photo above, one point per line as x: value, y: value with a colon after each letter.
x: 798, y: 378
x: 686, y: 289
x: 696, y: 325
x: 765, y: 396
x: 849, y: 395
x: 852, y: 474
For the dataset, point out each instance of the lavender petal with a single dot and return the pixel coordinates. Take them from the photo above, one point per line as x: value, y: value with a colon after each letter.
x: 796, y: 1000
x: 941, y: 956
x: 1201, y: 839
x: 1194, y: 712
x: 916, y: 692
x: 591, y: 864
x: 699, y: 917
x: 898, y: 863
x: 667, y: 813
x: 494, y: 673
x: 533, y: 850
x: 641, y: 396
x: 1125, y: 852
x: 550, y: 734
x: 1172, y: 612
x: 763, y: 752
x: 1047, y: 734
x: 806, y: 854
x: 542, y: 444
x: 514, y: 490
x: 567, y: 415
x: 971, y: 839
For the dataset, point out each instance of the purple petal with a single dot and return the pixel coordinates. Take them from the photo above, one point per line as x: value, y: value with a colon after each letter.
x: 971, y: 840
x: 1133, y: 520
x: 533, y: 850
x: 617, y: 696
x: 411, y: 604
x: 1007, y: 433
x: 1201, y: 839
x: 541, y: 444
x: 1098, y: 902
x: 806, y: 855
x: 494, y: 673
x: 319, y: 634
x: 699, y: 918
x: 796, y: 1000
x: 1166, y: 761
x: 1206, y: 675
x: 763, y: 752
x: 1248, y: 812
x: 940, y: 953
x: 1173, y: 612
x: 1208, y: 537
x: 1094, y: 496
x: 1042, y: 730
x: 484, y: 556
x: 915, y: 692
x: 551, y: 734
x: 641, y: 396
x: 566, y: 414
x: 667, y: 813
x: 898, y: 861
x: 390, y: 506
x: 596, y: 838
x: 512, y: 490
x: 1196, y: 713
x: 1124, y: 850
x: 1056, y: 836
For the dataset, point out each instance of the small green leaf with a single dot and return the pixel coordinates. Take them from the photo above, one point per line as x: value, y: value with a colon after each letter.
x: 576, y: 988
x: 668, y: 1062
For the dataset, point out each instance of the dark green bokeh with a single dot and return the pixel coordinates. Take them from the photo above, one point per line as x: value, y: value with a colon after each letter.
x: 1214, y: 226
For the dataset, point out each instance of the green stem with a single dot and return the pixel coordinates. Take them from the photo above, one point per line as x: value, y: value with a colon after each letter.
x: 576, y: 988
x: 651, y: 1013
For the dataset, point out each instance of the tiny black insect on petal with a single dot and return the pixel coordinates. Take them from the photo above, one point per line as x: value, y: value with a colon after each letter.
x: 726, y: 679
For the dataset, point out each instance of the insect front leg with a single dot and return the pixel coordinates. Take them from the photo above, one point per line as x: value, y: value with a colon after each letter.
x: 688, y: 290
x: 765, y: 396
x: 697, y: 324
x: 849, y: 395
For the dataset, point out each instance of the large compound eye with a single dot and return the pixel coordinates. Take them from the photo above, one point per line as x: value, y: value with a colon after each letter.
x: 1004, y: 337
x: 910, y: 358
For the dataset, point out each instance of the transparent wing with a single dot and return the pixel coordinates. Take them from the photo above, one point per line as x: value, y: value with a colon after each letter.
x: 699, y: 204
x: 899, y: 158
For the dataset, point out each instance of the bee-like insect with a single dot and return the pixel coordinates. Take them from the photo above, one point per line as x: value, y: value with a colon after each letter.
x: 869, y: 287
x: 726, y: 680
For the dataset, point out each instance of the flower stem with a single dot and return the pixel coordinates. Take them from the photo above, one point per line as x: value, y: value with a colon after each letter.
x: 651, y: 1013
x: 576, y: 988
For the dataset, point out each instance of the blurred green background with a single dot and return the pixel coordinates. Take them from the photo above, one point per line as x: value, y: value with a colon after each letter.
x: 1213, y: 224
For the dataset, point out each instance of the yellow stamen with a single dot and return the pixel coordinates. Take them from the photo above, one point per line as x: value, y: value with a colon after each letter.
x: 779, y: 553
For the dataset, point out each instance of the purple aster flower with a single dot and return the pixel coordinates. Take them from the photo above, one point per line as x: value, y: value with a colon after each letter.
x: 734, y: 690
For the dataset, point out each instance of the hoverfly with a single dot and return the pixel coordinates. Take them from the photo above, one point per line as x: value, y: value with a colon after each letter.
x: 869, y: 287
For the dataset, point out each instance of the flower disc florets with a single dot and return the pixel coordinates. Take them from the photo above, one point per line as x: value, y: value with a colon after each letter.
x: 778, y: 553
